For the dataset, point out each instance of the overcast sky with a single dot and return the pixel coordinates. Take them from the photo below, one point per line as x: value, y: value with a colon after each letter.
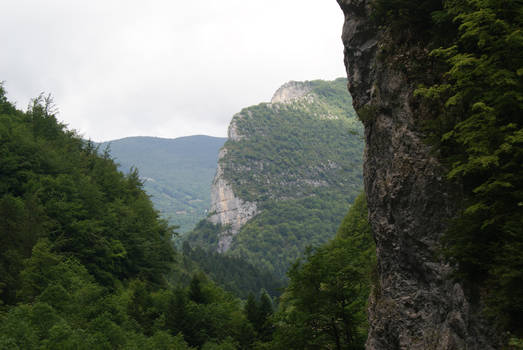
x: 168, y: 68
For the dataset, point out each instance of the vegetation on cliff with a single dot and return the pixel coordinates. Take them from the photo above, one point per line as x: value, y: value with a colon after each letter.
x: 477, y: 132
x: 278, y: 236
x: 290, y: 150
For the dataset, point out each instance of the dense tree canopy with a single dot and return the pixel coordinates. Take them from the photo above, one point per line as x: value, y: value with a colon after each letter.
x: 324, y: 306
x: 480, y: 138
x: 86, y: 263
x: 232, y: 273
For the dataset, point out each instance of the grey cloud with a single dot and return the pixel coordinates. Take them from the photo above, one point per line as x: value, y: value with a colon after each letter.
x: 165, y: 68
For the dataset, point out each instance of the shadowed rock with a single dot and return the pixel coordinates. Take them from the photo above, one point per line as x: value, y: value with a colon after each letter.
x: 416, y: 304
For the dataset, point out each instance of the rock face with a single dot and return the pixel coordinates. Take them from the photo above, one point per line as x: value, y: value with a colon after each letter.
x: 415, y: 304
x: 228, y: 210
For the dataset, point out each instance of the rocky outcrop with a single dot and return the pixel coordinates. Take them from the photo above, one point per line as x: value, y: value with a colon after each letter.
x: 416, y: 304
x: 227, y: 209
x: 291, y: 91
x: 232, y: 132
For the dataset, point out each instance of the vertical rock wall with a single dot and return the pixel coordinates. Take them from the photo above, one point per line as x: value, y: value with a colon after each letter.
x: 227, y: 209
x: 415, y: 304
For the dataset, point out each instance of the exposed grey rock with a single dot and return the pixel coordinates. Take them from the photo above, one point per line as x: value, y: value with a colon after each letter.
x: 291, y: 91
x: 416, y: 304
x: 226, y: 209
x: 232, y: 132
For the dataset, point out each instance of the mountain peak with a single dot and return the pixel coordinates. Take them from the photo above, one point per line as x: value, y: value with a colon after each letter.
x: 291, y: 91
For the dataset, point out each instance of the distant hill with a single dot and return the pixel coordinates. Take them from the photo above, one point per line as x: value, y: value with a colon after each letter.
x: 177, y: 172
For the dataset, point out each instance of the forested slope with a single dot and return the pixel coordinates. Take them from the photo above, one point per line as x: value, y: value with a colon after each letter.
x: 232, y: 273
x: 325, y: 304
x: 86, y: 263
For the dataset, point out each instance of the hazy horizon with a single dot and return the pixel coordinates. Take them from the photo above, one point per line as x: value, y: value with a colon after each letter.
x: 160, y: 137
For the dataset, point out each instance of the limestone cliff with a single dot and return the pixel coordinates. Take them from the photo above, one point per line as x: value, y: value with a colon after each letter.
x: 227, y: 209
x: 415, y: 304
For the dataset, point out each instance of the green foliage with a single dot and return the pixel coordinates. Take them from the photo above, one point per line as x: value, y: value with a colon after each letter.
x: 291, y: 150
x: 258, y: 314
x: 480, y: 138
x: 251, y: 309
x: 276, y: 237
x: 205, y: 234
x: 230, y: 272
x: 196, y: 293
x: 263, y: 325
x: 516, y: 343
x: 85, y: 258
x: 421, y: 21
x: 334, y: 97
x: 477, y: 99
x: 325, y: 302
x: 177, y: 173
x: 55, y: 186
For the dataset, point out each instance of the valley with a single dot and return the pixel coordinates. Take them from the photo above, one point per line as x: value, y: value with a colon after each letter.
x: 382, y: 211
x: 177, y: 173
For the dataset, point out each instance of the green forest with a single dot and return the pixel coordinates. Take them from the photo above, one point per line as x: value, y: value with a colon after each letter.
x: 232, y: 273
x: 324, y: 305
x: 87, y: 263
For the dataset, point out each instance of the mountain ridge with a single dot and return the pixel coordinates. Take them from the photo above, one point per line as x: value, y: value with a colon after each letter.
x: 177, y: 173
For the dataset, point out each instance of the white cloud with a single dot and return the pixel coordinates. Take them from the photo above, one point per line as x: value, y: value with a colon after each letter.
x: 165, y: 68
